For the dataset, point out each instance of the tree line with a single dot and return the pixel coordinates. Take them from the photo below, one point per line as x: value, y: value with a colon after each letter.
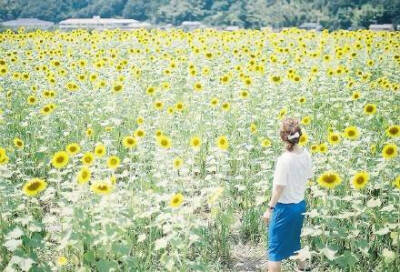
x: 331, y: 14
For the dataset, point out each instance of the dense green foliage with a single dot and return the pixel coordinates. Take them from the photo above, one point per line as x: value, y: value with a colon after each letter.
x: 243, y: 13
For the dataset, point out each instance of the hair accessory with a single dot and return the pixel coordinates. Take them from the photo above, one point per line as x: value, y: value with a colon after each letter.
x: 296, y: 135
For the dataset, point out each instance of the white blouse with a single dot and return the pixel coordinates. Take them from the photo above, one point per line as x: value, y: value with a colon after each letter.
x: 293, y: 170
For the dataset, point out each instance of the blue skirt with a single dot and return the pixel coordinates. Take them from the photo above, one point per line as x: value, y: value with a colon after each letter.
x: 285, y: 229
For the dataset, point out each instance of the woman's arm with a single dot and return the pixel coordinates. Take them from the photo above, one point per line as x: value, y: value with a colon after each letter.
x: 276, y: 193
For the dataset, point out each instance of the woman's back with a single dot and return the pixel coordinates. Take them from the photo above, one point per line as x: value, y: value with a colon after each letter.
x: 292, y: 170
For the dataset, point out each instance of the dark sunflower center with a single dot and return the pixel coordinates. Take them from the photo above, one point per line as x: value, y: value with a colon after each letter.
x: 393, y: 130
x: 360, y: 180
x: 34, y: 186
x: 329, y: 179
x: 351, y: 133
x: 390, y: 151
x: 60, y: 159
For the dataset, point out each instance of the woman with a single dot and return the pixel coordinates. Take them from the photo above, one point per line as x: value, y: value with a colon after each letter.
x: 287, y: 204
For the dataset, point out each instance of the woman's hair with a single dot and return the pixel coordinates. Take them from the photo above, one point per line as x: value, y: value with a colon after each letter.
x: 289, y: 128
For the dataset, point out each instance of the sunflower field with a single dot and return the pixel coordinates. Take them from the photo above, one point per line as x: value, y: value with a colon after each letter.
x: 153, y: 150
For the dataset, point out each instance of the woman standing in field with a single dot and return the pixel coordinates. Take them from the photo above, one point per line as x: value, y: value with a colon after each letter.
x: 287, y: 204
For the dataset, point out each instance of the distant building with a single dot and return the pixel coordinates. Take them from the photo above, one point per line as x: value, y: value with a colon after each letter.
x: 97, y: 23
x: 165, y: 27
x: 383, y: 27
x: 311, y: 26
x: 191, y: 25
x: 231, y: 28
x: 139, y: 25
x: 267, y: 28
x: 28, y: 23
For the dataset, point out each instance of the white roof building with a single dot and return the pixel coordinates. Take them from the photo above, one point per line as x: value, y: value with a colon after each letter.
x: 97, y: 23
x: 27, y: 23
x: 387, y: 27
x: 231, y: 28
x: 311, y: 26
x: 191, y: 25
x: 139, y: 25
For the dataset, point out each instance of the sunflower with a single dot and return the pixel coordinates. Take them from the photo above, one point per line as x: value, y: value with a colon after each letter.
x: 46, y: 110
x: 177, y: 163
x: 117, y: 87
x: 164, y: 141
x: 4, y: 159
x: 276, y: 79
x: 389, y: 151
x: 195, y: 142
x: 158, y: 105
x: 396, y: 182
x: 176, y: 200
x: 198, y: 87
x: 73, y: 148
x: 34, y: 186
x: 170, y: 110
x: 351, y: 132
x: 370, y: 109
x: 303, y: 139
x: 72, y: 86
x: 129, y: 142
x: 306, y: 120
x: 179, y: 106
x: 100, y: 150
x: 113, y: 162
x: 101, y: 187
x: 214, y: 102
x: 243, y: 94
x: 89, y: 132
x: 60, y: 159
x: 356, y: 95
x: 88, y: 158
x: 18, y: 143
x: 323, y: 147
x: 113, y: 179
x: 393, y: 131
x: 62, y: 261
x: 222, y: 142
x: 31, y: 100
x: 248, y: 81
x: 372, y: 148
x: 265, y: 142
x: 302, y: 100
x: 150, y: 90
x: 329, y: 179
x: 84, y: 175
x: 360, y: 179
x: 226, y: 106
x: 282, y: 113
x: 139, y: 120
x: 253, y: 128
x: 333, y: 138
x: 139, y: 133
x: 314, y: 148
